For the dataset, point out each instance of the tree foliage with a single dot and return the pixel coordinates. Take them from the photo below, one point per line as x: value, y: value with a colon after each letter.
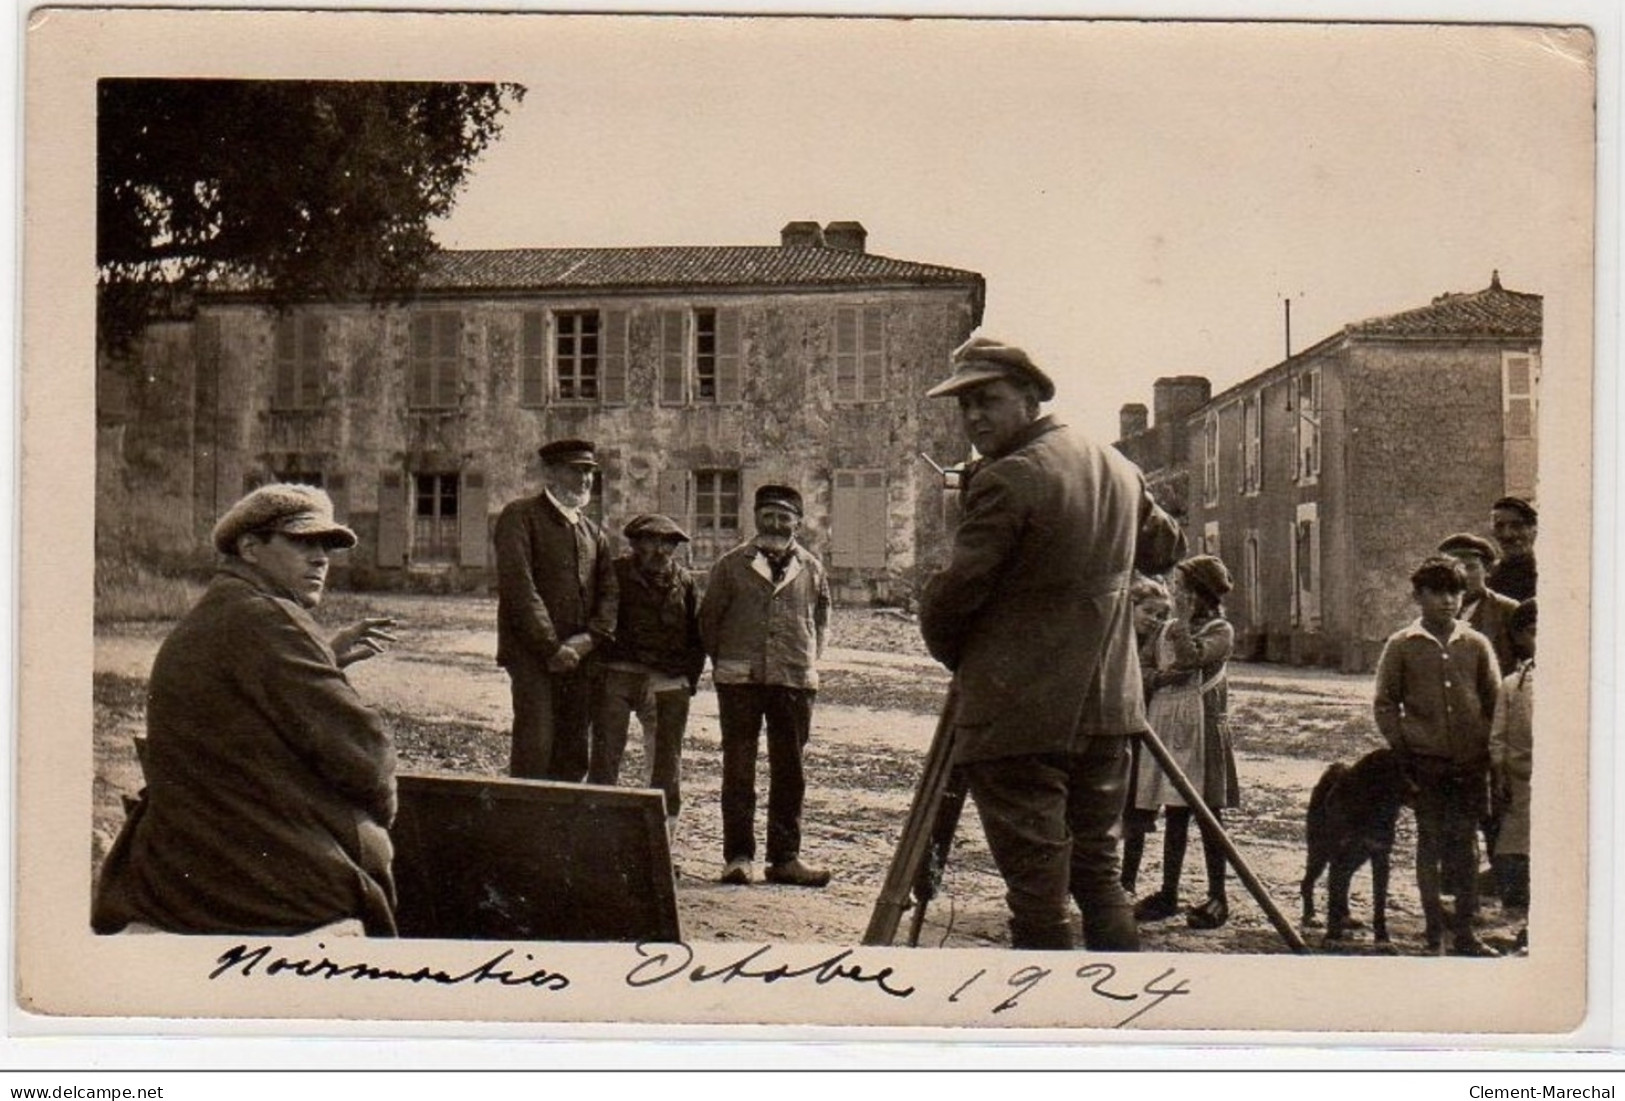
x: 297, y: 188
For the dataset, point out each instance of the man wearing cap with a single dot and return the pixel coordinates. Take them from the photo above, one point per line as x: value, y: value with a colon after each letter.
x: 555, y: 604
x: 1032, y: 614
x: 762, y: 621
x: 1513, y: 521
x: 655, y: 651
x: 270, y: 785
x: 1484, y: 610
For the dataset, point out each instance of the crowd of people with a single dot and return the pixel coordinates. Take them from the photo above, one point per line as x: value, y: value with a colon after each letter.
x: 270, y: 785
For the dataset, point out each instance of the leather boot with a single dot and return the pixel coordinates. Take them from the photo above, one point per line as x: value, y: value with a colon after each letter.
x: 1111, y: 928
x: 1050, y: 936
x: 1133, y: 852
x: 1466, y: 942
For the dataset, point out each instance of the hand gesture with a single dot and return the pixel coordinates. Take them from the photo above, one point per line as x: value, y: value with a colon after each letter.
x: 360, y: 641
x: 564, y: 660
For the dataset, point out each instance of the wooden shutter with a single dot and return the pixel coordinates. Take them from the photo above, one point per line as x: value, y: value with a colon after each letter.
x: 286, y: 363
x: 448, y: 332
x: 338, y: 489
x: 846, y: 354
x: 391, y: 519
x: 750, y: 479
x: 533, y: 358
x: 844, y: 520
x: 420, y: 377
x: 473, y: 523
x: 730, y: 362
x: 872, y: 358
x: 312, y: 337
x: 872, y: 514
x: 673, y: 359
x: 612, y: 373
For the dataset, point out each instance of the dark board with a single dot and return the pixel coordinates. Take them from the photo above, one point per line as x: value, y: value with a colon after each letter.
x: 497, y: 859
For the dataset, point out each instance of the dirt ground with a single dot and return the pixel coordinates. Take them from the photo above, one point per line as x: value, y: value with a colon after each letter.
x: 447, y: 703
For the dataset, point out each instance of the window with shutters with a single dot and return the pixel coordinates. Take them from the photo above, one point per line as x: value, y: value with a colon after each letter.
x: 858, y: 519
x: 1210, y: 459
x: 1304, y: 396
x: 298, y: 372
x: 860, y: 354
x: 533, y: 358
x: 1520, y: 408
x: 1252, y: 444
x: 575, y: 354
x: 705, y: 355
x: 436, y: 335
x: 1306, y: 567
x: 716, y: 512
x: 434, y: 518
x: 1251, y: 581
x: 701, y: 357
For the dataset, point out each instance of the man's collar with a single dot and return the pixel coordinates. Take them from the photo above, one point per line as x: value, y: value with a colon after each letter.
x: 571, y: 515
x: 1419, y: 629
x: 1030, y: 432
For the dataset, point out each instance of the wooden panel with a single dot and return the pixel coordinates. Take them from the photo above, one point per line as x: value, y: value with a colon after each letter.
x: 391, y: 519
x: 613, y: 389
x: 673, y: 361
x: 473, y: 523
x: 730, y: 363
x: 501, y: 859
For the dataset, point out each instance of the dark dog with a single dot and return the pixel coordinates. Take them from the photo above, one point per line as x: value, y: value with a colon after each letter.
x: 1352, y: 813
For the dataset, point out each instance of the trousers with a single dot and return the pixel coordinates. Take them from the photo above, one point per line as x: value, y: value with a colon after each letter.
x: 1050, y: 824
x: 551, y: 717
x: 620, y: 693
x: 787, y: 713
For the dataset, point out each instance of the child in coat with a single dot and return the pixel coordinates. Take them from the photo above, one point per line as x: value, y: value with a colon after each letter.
x: 1187, y: 711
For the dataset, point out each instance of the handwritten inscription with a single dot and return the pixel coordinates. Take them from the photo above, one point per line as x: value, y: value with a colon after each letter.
x: 665, y: 962
x: 245, y: 961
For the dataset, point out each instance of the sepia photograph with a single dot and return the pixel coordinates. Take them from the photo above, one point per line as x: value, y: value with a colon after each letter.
x: 847, y: 522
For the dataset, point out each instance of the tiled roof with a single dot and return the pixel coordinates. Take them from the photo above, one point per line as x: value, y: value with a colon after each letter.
x: 1491, y: 312
x: 676, y: 266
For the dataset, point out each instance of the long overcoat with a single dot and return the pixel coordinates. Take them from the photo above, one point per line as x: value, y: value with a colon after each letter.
x: 270, y: 784
x: 1032, y: 612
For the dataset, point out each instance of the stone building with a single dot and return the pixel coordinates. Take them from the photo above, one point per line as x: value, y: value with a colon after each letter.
x: 1323, y: 480
x: 700, y: 372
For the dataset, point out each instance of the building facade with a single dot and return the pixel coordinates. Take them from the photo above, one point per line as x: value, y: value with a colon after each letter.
x: 1322, y: 481
x: 700, y: 373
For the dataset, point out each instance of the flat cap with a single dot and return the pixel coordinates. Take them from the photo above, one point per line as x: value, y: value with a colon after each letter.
x: 1208, y: 575
x: 1464, y: 543
x: 652, y: 525
x: 1518, y: 505
x: 981, y: 360
x: 783, y: 496
x: 569, y: 453
x: 289, y: 509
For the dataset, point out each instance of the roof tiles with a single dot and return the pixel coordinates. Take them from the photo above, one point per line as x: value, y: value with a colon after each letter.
x: 1492, y: 312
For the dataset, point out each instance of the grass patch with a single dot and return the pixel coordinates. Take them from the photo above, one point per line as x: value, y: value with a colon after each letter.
x: 119, y: 693
x: 128, y: 591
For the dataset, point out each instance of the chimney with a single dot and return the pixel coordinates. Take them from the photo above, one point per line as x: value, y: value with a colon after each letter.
x: 801, y: 235
x: 848, y: 236
x: 1177, y: 397
x: 1131, y: 421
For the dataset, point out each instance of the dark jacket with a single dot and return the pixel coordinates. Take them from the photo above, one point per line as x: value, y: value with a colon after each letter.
x: 1492, y: 618
x: 270, y: 785
x: 1032, y: 612
x: 657, y: 624
x: 554, y: 580
x: 1513, y: 577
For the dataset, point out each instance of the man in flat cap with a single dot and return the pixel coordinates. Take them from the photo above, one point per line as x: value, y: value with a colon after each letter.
x: 763, y: 619
x: 1032, y: 614
x: 555, y: 604
x: 270, y: 785
x: 1484, y: 610
x: 655, y: 651
x: 1514, y: 521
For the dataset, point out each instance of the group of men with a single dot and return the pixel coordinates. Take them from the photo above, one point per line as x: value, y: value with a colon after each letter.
x: 588, y: 639
x: 254, y: 732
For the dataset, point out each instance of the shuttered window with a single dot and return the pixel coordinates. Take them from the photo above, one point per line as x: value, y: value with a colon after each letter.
x: 858, y: 519
x: 1252, y: 444
x: 433, y: 380
x: 1210, y: 459
x: 718, y: 516
x: 1306, y: 427
x: 435, y: 536
x: 298, y: 370
x: 1306, y: 567
x: 860, y: 354
x: 1520, y: 386
x: 575, y: 355
x: 533, y: 358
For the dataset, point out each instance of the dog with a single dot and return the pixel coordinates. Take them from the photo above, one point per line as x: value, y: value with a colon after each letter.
x: 1352, y: 813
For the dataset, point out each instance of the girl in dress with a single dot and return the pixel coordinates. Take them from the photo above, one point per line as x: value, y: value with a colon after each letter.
x: 1187, y: 711
x: 1151, y: 607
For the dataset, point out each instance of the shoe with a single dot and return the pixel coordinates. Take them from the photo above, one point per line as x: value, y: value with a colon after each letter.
x: 1210, y: 915
x: 737, y: 873
x: 1467, y: 944
x: 1158, y: 907
x: 796, y: 874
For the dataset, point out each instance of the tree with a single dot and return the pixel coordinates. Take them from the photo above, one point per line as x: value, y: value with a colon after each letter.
x: 295, y: 188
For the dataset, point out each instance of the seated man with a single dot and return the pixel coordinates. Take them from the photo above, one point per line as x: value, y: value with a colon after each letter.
x: 270, y: 785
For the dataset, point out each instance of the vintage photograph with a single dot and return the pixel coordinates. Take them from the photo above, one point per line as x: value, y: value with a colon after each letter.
x: 961, y: 522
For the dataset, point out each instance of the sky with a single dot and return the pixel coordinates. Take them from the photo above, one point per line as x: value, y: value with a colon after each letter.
x: 1142, y: 198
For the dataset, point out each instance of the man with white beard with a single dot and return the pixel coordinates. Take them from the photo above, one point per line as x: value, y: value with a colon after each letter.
x: 556, y: 601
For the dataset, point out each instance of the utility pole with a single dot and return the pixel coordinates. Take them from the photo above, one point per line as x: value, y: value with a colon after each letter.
x: 1289, y: 328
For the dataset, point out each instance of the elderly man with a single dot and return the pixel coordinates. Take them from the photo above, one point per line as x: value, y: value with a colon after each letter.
x: 1032, y: 614
x: 656, y: 652
x: 762, y: 620
x: 555, y: 603
x: 1513, y: 522
x: 270, y: 785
